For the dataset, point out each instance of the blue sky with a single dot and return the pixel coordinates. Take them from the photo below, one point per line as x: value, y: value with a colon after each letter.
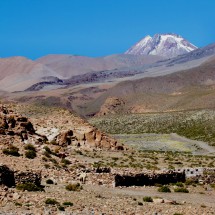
x: 34, y: 28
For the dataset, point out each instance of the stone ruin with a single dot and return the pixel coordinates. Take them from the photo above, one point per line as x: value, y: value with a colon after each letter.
x: 10, y: 178
x: 6, y: 176
x: 142, y: 179
x: 28, y: 177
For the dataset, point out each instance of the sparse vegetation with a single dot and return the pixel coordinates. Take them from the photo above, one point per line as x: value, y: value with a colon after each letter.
x: 31, y: 154
x: 68, y: 204
x: 196, y: 125
x: 181, y: 190
x: 147, y: 199
x: 61, y: 208
x: 50, y: 201
x: 11, y: 150
x: 30, y: 147
x: 179, y: 184
x: 164, y: 189
x: 29, y: 187
x: 18, y: 204
x: 74, y: 187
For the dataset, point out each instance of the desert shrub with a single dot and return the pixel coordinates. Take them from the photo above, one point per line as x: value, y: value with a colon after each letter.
x: 47, y: 149
x: 53, y: 160
x: 29, y: 187
x: 11, y: 150
x: 213, y: 186
x: 147, y: 199
x: 164, y: 189
x: 61, y: 208
x: 140, y: 203
x: 190, y: 181
x: 30, y: 147
x: 18, y: 204
x: 181, y: 190
x: 47, y: 154
x: 44, y: 159
x: 74, y: 187
x: 68, y: 204
x: 30, y: 154
x: 179, y: 184
x: 50, y: 201
x: 49, y: 181
x: 47, y: 166
x: 65, y: 161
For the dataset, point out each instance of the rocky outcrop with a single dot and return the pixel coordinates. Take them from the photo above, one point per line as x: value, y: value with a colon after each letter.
x: 112, y: 105
x: 14, y: 124
x: 87, y: 137
x: 149, y: 179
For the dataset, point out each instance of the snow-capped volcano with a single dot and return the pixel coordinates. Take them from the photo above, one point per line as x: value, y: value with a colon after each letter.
x: 166, y: 45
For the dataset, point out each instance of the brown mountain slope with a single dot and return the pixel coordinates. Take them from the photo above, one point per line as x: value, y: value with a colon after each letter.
x: 70, y: 65
x: 18, y: 73
x: 189, y: 89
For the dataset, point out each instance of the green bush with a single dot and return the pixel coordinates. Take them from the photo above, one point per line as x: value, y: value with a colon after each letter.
x: 147, y: 199
x: 49, y: 181
x: 50, y: 201
x: 11, y: 150
x: 18, y: 204
x: 29, y: 187
x: 65, y: 161
x: 68, y: 204
x: 30, y: 147
x: 179, y: 184
x: 30, y: 154
x: 74, y: 187
x: 47, y: 154
x: 47, y: 149
x: 190, y: 181
x: 181, y: 190
x: 61, y: 208
x: 164, y: 189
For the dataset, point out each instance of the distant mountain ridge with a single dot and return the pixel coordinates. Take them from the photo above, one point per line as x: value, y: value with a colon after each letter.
x: 165, y: 45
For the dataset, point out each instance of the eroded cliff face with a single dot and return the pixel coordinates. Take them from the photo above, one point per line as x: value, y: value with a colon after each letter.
x: 57, y: 126
x: 112, y: 105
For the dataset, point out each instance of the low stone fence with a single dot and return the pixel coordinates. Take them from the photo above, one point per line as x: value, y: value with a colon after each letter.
x: 149, y: 179
x: 28, y: 177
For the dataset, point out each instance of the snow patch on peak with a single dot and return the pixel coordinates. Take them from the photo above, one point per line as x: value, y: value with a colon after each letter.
x: 166, y: 45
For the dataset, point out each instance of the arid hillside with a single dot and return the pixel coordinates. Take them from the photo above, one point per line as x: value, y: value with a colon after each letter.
x: 184, y: 90
x: 18, y: 73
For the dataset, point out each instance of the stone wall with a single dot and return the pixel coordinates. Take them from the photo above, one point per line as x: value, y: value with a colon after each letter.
x: 6, y: 176
x: 27, y: 177
x: 10, y: 178
x: 149, y: 179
